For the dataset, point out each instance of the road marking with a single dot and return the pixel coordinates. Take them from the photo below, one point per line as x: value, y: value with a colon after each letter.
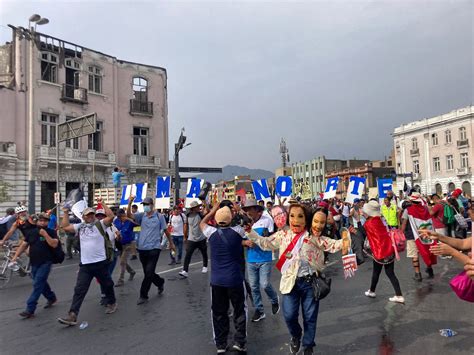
x: 178, y: 268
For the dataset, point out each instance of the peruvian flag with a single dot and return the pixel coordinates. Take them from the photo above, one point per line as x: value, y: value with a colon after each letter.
x: 290, y: 253
x: 420, y: 218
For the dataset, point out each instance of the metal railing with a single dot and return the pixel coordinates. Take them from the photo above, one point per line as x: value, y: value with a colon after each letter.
x: 142, y: 107
x: 463, y: 143
x: 74, y: 93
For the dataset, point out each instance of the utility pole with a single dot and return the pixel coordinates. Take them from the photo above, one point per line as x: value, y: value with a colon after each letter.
x: 177, y: 180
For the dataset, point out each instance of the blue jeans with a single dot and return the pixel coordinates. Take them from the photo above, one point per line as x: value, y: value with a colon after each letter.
x: 302, y: 293
x: 178, y: 242
x: 39, y: 274
x: 259, y: 277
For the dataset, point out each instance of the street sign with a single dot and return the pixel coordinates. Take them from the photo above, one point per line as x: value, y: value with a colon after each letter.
x: 77, y: 127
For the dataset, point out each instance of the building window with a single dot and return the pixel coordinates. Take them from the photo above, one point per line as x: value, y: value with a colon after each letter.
x: 436, y: 164
x: 95, y: 79
x: 49, y: 67
x: 462, y: 134
x: 140, y: 89
x: 414, y: 144
x: 48, y: 129
x: 416, y: 167
x: 140, y: 141
x: 447, y: 135
x: 434, y: 139
x: 95, y: 139
x: 449, y: 162
x: 464, y: 160
x: 72, y: 143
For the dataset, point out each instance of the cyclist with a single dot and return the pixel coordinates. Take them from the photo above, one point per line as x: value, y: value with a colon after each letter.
x: 23, y: 221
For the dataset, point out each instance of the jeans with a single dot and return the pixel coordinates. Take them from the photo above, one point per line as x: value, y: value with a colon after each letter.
x: 149, y: 259
x: 86, y: 273
x: 39, y: 274
x: 178, y: 242
x: 301, y: 294
x: 190, y: 248
x: 259, y: 277
x: 345, y: 222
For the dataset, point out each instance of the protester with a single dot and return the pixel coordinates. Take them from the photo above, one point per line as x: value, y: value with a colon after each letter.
x: 117, y: 175
x: 72, y: 240
x: 179, y: 231
x: 136, y: 234
x: 23, y: 221
x: 40, y: 240
x: 437, y: 214
x: 153, y: 226
x: 382, y: 250
x: 125, y: 227
x: 53, y: 219
x: 390, y: 213
x: 6, y: 224
x: 195, y: 240
x: 96, y: 255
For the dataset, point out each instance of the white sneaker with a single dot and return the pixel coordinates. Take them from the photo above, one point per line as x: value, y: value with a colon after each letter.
x: 183, y: 273
x: 204, y: 270
x: 370, y: 294
x: 397, y: 299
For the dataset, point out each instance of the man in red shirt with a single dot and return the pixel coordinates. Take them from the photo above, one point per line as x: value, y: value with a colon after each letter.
x: 437, y: 214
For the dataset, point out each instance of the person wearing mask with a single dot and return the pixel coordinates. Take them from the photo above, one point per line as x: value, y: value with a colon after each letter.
x: 40, y: 240
x: 195, y: 240
x: 153, y: 226
x: 124, y: 227
x: 179, y: 231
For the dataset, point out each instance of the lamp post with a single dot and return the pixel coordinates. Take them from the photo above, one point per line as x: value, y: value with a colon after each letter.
x: 177, y: 147
x: 37, y: 20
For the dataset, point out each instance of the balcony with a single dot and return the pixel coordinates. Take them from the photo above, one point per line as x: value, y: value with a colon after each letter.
x: 73, y: 93
x: 463, y: 171
x: 137, y: 162
x: 67, y: 156
x: 463, y: 143
x: 414, y: 152
x: 8, y: 154
x: 143, y: 108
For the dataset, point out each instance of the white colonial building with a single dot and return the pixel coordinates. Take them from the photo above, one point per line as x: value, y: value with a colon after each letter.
x: 438, y: 151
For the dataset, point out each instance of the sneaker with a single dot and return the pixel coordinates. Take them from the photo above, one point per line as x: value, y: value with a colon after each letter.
x: 418, y: 277
x: 370, y: 294
x: 204, y: 270
x: 221, y: 349
x: 239, y: 347
x: 142, y: 300
x: 132, y: 275
x: 397, y: 299
x: 111, y: 308
x: 258, y: 316
x: 70, y: 320
x: 161, y: 288
x: 295, y: 344
x: 183, y: 273
x: 430, y: 272
x: 119, y: 283
x: 308, y: 351
x: 276, y: 308
x: 26, y: 314
x: 50, y: 304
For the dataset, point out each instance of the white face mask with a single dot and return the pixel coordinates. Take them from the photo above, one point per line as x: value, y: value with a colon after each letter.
x: 146, y: 209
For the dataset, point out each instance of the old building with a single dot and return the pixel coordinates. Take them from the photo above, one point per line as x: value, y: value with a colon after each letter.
x: 437, y: 151
x: 70, y: 81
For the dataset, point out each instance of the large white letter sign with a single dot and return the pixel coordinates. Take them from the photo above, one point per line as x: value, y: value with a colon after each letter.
x: 138, y: 190
x: 261, y: 191
x: 331, y: 188
x: 284, y: 186
x: 193, y: 190
x: 163, y: 188
x: 356, y: 188
x: 384, y: 186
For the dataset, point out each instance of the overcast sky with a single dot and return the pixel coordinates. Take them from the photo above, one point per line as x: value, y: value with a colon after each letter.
x: 333, y: 78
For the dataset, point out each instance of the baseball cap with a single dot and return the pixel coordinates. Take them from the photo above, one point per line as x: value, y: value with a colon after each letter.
x: 147, y: 201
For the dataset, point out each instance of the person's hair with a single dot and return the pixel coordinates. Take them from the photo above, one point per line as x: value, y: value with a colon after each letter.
x: 307, y: 214
x: 134, y: 206
x: 115, y: 169
x: 435, y: 195
x: 320, y: 209
x: 10, y: 211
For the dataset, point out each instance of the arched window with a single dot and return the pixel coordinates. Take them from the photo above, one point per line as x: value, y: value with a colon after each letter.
x: 439, y: 190
x: 451, y: 187
x: 140, y: 89
x: 466, y: 188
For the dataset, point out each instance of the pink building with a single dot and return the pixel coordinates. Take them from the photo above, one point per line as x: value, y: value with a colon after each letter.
x: 69, y: 81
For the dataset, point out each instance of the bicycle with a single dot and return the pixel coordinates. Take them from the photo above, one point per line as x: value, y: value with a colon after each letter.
x: 7, y: 268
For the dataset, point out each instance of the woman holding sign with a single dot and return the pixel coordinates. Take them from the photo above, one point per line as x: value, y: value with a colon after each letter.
x: 301, y: 248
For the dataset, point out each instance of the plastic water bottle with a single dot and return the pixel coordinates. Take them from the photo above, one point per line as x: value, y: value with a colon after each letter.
x: 83, y: 325
x: 448, y: 333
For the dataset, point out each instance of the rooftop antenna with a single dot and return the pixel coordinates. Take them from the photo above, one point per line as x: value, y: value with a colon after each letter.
x: 285, y: 156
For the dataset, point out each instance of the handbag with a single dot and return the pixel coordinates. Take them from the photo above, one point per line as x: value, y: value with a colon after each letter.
x: 463, y: 287
x: 321, y: 286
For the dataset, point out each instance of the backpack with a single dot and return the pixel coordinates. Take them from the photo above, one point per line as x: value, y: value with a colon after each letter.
x: 57, y: 253
x: 448, y: 215
x: 109, y: 249
x: 399, y: 240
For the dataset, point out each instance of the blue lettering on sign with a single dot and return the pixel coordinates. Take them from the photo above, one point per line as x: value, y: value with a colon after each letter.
x: 332, y: 184
x: 260, y: 189
x: 384, y: 186
x: 195, y: 188
x: 127, y: 190
x: 163, y: 186
x: 284, y: 186
x: 139, y: 193
x: 358, y: 181
x: 124, y: 199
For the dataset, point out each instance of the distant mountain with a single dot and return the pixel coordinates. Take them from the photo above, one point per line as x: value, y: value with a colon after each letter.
x: 230, y: 171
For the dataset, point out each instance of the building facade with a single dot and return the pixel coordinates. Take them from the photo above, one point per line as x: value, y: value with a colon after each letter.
x: 69, y: 81
x: 437, y: 151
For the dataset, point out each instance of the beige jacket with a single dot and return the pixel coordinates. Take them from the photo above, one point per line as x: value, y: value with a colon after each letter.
x: 312, y: 251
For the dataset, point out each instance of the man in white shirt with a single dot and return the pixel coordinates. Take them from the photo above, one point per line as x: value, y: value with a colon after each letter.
x: 179, y: 229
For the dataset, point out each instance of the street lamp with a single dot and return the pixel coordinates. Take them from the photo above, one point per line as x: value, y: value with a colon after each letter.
x: 37, y: 20
x: 177, y: 147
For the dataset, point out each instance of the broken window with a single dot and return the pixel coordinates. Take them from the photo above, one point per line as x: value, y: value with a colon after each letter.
x: 49, y: 67
x: 140, y: 89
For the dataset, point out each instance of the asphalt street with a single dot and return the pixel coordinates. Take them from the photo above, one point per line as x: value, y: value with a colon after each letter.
x: 178, y: 322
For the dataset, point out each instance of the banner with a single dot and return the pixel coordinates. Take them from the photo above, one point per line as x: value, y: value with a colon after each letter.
x: 384, y: 185
x: 355, y: 189
x: 192, y: 191
x: 261, y: 191
x: 331, y: 188
x: 138, y: 190
x: 163, y: 192
x: 283, y: 186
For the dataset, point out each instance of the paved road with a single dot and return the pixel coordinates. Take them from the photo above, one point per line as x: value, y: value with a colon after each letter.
x: 178, y: 322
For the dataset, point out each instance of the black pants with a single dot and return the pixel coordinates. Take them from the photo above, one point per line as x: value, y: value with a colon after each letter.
x: 390, y: 271
x: 220, y: 297
x: 149, y: 259
x: 190, y: 248
x: 85, y: 275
